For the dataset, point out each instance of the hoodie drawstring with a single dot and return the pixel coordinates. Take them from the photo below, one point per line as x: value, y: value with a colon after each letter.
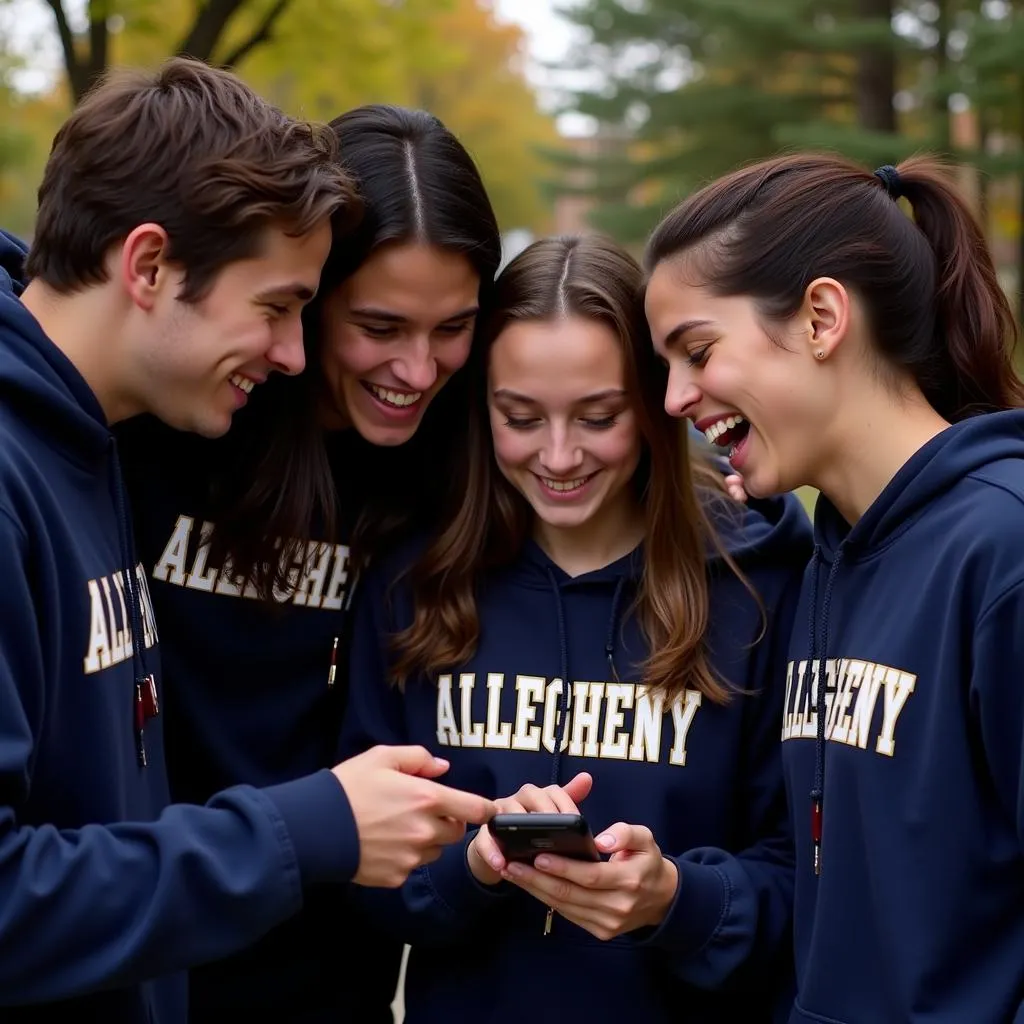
x: 145, y: 702
x: 565, y: 702
x: 818, y: 655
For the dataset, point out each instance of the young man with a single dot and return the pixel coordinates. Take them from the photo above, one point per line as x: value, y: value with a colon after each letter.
x: 182, y: 226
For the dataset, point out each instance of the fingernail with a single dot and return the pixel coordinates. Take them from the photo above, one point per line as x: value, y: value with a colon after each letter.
x: 496, y: 862
x: 543, y: 863
x: 605, y: 839
x: 441, y: 762
x: 515, y: 869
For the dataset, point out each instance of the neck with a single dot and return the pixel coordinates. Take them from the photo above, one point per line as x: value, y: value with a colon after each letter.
x: 612, y: 532
x: 83, y: 326
x: 874, y: 439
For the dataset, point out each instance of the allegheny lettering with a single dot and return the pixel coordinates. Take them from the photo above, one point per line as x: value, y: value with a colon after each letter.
x: 617, y: 721
x: 863, y: 702
x: 110, y: 632
x: 320, y: 581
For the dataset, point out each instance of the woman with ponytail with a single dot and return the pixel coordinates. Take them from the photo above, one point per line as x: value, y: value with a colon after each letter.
x: 826, y: 338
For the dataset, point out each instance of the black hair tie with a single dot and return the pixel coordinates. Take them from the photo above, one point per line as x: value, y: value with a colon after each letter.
x: 890, y: 178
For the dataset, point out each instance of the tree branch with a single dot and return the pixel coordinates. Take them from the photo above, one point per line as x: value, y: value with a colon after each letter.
x: 77, y: 78
x: 208, y: 27
x: 261, y: 35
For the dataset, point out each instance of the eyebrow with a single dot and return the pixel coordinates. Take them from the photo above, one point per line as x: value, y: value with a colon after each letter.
x: 371, y: 313
x: 293, y: 290
x: 679, y: 330
x: 598, y: 396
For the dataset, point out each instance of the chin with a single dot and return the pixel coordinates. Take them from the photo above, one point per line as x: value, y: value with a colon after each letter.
x: 386, y: 437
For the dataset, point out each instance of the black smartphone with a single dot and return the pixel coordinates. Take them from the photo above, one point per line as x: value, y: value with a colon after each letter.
x: 521, y: 837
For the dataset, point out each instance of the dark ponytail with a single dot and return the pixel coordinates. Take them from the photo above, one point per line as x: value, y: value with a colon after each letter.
x: 928, y: 285
x: 973, y: 318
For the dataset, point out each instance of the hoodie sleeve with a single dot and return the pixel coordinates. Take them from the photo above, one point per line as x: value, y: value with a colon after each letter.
x: 441, y: 901
x: 997, y: 699
x: 733, y: 912
x: 109, y: 905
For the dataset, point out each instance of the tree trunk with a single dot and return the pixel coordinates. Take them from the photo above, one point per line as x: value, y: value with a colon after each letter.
x: 876, y: 73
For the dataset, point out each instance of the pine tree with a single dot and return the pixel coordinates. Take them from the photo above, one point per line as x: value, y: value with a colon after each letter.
x: 686, y: 90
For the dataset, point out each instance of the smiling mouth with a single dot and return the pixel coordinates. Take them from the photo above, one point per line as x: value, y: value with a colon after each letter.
x: 388, y: 396
x: 245, y: 384
x: 727, y: 432
x: 566, y: 487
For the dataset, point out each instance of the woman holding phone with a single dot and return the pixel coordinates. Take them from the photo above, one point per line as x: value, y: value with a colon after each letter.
x: 829, y: 339
x: 598, y: 626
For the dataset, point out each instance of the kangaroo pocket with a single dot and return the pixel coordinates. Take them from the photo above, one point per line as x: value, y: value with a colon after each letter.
x: 801, y: 1015
x: 512, y: 977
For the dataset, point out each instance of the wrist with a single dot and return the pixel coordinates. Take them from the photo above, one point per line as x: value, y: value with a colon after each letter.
x: 664, y: 892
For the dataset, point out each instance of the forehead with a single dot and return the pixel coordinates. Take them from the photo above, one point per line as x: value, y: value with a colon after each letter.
x: 417, y: 281
x: 283, y: 261
x: 557, y: 361
x: 669, y: 296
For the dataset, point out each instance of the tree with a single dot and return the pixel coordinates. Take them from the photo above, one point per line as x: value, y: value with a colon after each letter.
x: 686, y: 90
x: 325, y: 56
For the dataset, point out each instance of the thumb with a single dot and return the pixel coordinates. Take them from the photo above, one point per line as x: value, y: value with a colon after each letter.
x: 577, y: 789
x: 413, y: 761
x: 618, y: 837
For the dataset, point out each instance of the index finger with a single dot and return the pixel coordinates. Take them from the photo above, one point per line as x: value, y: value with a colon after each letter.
x: 463, y: 806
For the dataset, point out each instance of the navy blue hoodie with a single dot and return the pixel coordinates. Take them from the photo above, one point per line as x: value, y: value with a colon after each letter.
x: 250, y: 696
x: 707, y: 779
x: 102, y: 884
x: 915, y: 616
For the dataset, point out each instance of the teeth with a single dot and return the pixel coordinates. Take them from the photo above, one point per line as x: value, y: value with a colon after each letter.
x: 243, y: 383
x: 564, y: 485
x: 399, y: 399
x: 716, y: 430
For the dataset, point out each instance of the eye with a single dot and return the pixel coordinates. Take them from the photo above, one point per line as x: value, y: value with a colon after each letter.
x: 454, y: 330
x: 378, y: 331
x: 698, y: 356
x: 277, y: 310
x: 600, y: 424
x: 517, y: 423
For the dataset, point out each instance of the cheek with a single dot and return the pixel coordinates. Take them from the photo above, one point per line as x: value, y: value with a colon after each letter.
x: 451, y: 356
x: 347, y: 352
x: 511, y: 449
x: 620, y: 447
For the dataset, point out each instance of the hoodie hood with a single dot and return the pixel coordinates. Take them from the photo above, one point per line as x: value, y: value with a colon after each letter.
x: 51, y: 398
x: 36, y: 377
x: 945, y: 460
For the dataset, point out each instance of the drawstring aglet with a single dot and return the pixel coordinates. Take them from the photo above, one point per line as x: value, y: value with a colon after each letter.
x: 547, y: 920
x: 140, y: 725
x: 333, y: 666
x: 816, y: 821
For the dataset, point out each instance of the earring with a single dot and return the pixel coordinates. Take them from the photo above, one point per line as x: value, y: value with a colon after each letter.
x: 820, y: 354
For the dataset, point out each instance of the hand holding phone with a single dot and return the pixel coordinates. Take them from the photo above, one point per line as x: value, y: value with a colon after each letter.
x: 484, y: 856
x: 522, y: 837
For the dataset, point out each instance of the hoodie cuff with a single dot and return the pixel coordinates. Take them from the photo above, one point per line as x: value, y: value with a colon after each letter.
x: 321, y: 826
x: 697, y: 912
x: 456, y: 886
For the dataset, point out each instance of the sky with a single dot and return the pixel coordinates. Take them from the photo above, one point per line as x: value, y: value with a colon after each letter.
x: 28, y: 23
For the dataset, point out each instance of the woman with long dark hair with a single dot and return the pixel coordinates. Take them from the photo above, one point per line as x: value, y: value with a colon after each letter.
x: 253, y: 543
x: 598, y: 625
x: 827, y: 338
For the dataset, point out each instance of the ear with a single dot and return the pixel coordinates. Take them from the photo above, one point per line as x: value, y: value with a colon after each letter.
x: 826, y: 310
x: 143, y: 266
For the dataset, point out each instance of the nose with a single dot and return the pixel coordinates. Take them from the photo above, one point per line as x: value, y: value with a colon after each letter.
x: 681, y: 394
x: 287, y: 354
x: 561, y: 455
x: 416, y: 367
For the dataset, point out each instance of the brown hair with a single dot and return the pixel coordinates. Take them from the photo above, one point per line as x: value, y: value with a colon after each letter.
x: 417, y: 183
x: 193, y: 149
x: 592, y: 278
x: 928, y: 285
